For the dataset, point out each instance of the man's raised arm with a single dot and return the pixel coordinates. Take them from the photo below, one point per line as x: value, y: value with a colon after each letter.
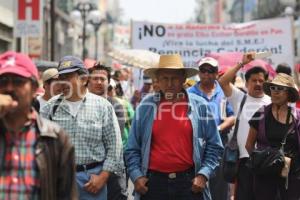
x: 226, y: 79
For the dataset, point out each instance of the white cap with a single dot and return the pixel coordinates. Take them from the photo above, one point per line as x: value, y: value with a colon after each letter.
x: 208, y: 60
x: 49, y: 74
x: 147, y: 80
x: 112, y: 83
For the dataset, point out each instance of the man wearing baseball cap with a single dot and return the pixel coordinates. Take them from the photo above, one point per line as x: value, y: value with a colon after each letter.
x: 90, y: 121
x: 50, y: 85
x: 146, y: 89
x: 36, y: 156
x: 209, y: 88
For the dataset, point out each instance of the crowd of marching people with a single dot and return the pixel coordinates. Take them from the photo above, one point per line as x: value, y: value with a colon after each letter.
x: 78, y: 132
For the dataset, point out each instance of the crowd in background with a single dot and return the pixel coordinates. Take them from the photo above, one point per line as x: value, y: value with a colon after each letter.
x: 84, y: 131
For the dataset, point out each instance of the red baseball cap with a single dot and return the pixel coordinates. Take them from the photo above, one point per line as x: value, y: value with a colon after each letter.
x: 19, y: 64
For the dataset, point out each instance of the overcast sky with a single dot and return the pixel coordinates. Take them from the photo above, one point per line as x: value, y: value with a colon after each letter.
x: 167, y: 11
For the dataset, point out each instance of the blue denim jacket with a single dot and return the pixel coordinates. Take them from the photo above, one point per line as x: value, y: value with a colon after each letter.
x: 207, y: 145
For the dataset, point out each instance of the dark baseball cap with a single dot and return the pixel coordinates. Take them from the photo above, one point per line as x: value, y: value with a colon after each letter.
x: 70, y: 64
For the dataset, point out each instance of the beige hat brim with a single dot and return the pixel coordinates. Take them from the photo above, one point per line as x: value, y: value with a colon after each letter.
x: 52, y: 77
x: 151, y: 72
x: 293, y: 93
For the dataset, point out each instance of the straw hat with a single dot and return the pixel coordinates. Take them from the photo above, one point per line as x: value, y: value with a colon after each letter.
x: 286, y: 81
x: 170, y: 62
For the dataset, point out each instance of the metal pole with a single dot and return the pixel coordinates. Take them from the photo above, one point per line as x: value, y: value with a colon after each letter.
x: 18, y: 45
x: 97, y: 27
x: 52, y: 34
x: 96, y: 43
x: 242, y: 10
x: 83, y: 34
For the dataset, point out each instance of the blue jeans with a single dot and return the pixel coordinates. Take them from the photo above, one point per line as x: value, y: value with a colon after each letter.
x: 164, y: 188
x: 82, y: 178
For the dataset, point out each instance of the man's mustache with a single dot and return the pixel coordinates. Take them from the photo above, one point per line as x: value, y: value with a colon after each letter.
x: 257, y: 87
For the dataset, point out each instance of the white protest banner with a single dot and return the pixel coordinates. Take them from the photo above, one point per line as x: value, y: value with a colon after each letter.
x: 28, y: 19
x: 194, y: 41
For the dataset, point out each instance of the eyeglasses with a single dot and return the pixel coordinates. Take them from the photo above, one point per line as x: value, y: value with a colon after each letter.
x: 15, y: 80
x: 278, y: 88
x: 210, y: 71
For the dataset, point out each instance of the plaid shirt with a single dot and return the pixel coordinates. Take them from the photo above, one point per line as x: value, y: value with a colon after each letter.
x: 20, y: 178
x: 94, y: 131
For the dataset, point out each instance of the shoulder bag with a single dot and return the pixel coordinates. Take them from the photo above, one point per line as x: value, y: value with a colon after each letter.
x: 269, y: 161
x: 231, y: 151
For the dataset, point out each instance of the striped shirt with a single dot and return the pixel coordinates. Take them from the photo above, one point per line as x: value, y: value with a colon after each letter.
x: 20, y: 178
x: 94, y: 130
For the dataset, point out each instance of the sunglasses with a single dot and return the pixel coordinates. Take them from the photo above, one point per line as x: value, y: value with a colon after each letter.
x: 206, y: 70
x: 15, y: 80
x: 278, y: 88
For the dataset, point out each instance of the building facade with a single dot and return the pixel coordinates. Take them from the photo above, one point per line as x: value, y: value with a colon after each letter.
x: 6, y: 26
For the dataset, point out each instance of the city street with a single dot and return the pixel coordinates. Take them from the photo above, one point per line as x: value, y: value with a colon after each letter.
x: 193, y: 99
